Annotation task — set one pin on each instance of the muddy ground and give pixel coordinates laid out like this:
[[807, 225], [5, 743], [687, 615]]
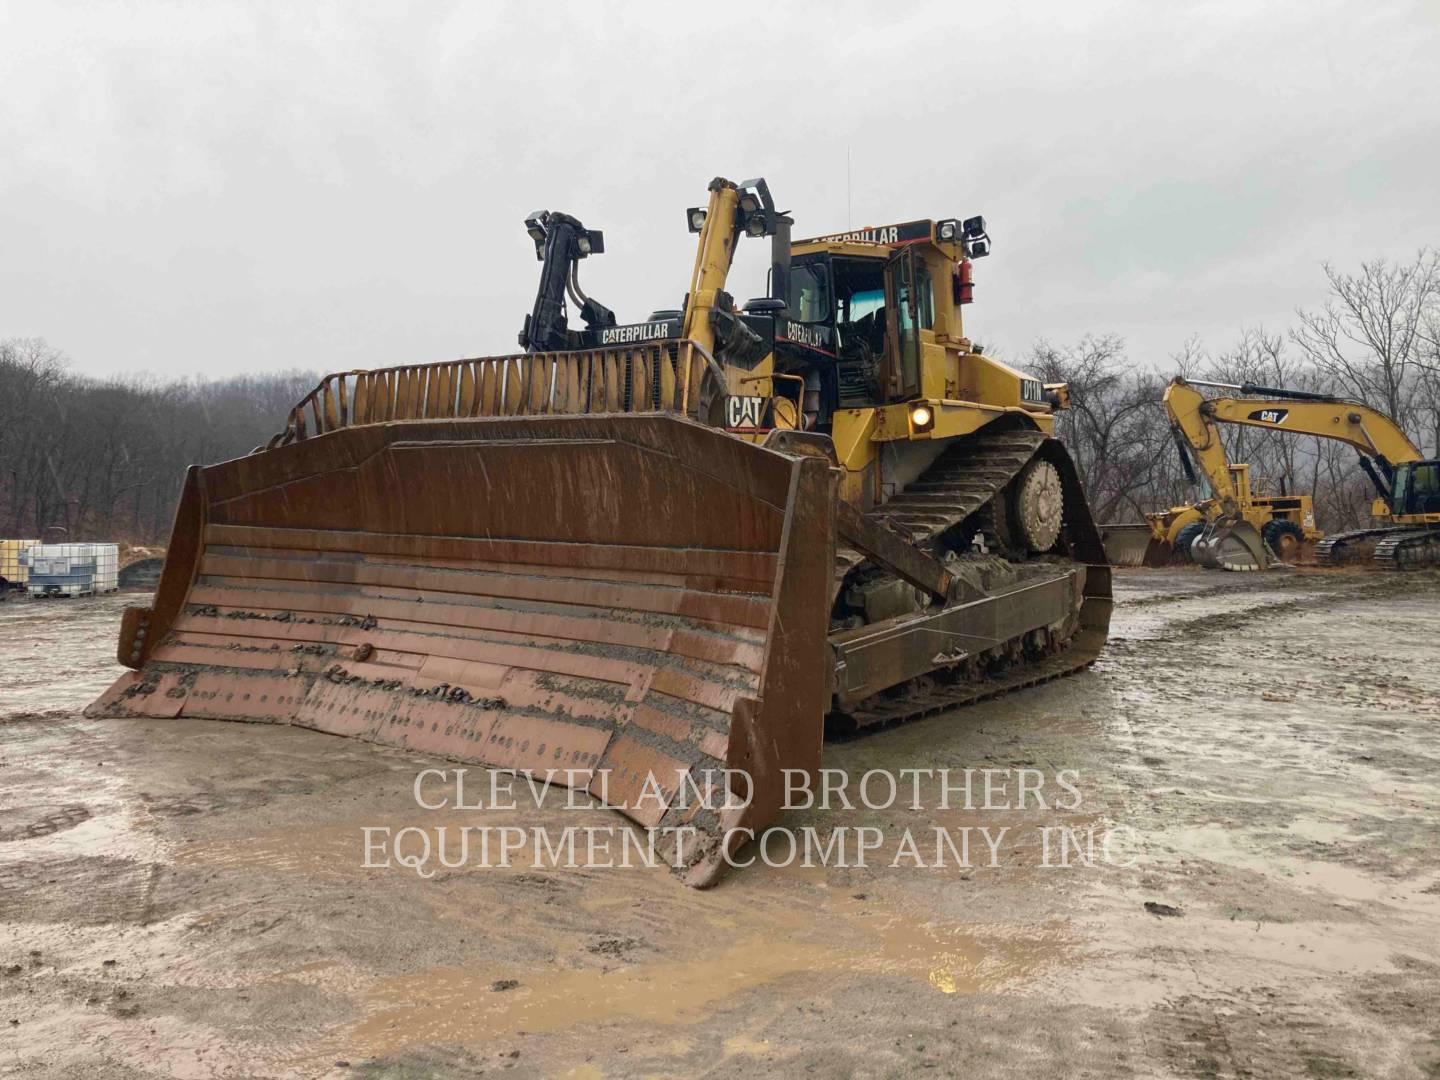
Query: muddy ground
[[188, 898]]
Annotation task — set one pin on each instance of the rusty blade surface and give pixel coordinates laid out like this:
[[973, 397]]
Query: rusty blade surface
[[630, 604]]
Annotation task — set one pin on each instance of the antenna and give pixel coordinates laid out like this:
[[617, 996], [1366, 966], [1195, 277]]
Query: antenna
[[848, 222]]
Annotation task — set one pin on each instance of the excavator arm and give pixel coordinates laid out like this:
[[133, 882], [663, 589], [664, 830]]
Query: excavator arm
[[1381, 443], [1199, 440]]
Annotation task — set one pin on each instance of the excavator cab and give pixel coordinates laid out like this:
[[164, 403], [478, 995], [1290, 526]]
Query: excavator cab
[[1416, 489]]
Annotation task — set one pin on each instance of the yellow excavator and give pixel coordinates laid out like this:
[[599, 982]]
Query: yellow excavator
[[645, 559], [1283, 520], [1407, 503]]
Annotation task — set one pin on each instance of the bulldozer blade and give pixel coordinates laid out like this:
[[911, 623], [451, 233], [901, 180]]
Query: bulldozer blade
[[1133, 545], [626, 604], [1231, 545]]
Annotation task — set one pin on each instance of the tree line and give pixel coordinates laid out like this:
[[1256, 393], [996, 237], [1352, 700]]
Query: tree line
[[85, 458], [104, 459]]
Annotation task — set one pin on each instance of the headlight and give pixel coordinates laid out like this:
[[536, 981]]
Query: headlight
[[695, 217], [921, 417], [947, 230]]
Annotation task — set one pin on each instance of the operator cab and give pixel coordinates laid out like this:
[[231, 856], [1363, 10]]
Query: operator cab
[[1417, 488], [845, 291]]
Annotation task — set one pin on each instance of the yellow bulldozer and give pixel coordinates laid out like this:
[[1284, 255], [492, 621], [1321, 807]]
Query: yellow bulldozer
[[650, 560]]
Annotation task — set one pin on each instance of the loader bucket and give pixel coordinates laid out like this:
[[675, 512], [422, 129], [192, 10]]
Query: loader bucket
[[1133, 545], [621, 603], [1230, 544]]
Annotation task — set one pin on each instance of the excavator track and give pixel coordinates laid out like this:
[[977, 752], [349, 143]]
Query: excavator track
[[1343, 549], [1409, 549], [964, 482]]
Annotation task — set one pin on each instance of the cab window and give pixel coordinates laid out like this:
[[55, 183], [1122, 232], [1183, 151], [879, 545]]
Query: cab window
[[924, 296], [859, 288], [1417, 488], [863, 303], [809, 293]]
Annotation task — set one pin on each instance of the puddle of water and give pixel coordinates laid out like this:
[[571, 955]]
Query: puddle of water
[[323, 852], [458, 1006]]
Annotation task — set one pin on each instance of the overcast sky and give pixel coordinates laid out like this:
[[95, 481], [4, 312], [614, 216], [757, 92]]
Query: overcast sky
[[207, 189]]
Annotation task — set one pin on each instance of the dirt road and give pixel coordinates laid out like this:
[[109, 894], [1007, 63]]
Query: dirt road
[[189, 898]]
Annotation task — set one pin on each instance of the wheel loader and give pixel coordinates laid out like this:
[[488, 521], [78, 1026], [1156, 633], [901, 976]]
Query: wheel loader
[[1407, 504], [656, 565], [1285, 521]]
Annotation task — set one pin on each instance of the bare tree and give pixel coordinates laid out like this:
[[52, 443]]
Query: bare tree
[[1114, 427], [105, 459], [1370, 336]]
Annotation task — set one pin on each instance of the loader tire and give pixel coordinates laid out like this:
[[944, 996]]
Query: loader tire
[[1185, 537], [1285, 539]]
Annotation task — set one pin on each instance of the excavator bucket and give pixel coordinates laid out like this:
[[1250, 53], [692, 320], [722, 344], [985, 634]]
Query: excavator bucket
[[1231, 544], [627, 603], [1134, 545]]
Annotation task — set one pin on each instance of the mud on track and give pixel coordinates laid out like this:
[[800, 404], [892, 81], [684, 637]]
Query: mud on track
[[187, 898]]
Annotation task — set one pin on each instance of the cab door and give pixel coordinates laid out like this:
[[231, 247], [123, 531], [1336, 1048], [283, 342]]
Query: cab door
[[902, 342]]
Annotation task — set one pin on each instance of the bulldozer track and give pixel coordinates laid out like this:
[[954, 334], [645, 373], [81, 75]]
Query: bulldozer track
[[961, 482], [958, 483], [1078, 655]]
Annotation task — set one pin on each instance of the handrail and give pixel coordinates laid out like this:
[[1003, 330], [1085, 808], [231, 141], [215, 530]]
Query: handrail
[[663, 377]]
